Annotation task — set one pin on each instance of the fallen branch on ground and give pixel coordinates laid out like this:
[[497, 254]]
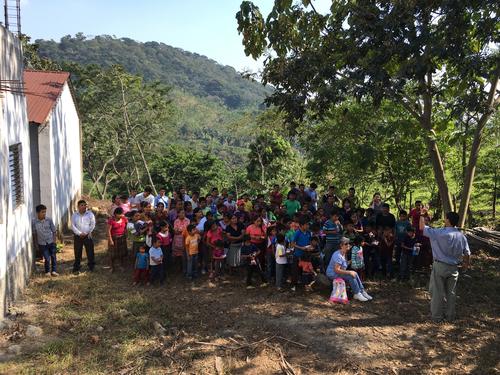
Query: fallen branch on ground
[[292, 342]]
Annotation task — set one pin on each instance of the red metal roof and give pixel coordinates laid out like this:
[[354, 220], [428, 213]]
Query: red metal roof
[[42, 91]]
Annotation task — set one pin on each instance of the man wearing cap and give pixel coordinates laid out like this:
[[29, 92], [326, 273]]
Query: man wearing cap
[[338, 268], [449, 249]]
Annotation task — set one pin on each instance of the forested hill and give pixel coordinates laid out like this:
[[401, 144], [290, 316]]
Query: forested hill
[[189, 72]]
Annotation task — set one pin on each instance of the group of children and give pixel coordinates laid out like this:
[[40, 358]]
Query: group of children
[[278, 239]]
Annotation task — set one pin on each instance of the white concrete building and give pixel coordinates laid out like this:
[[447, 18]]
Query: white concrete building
[[16, 203], [40, 160], [55, 138]]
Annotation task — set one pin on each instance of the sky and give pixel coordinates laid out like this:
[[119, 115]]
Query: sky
[[207, 27]]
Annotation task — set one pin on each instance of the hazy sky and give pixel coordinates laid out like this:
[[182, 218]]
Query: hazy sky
[[207, 27]]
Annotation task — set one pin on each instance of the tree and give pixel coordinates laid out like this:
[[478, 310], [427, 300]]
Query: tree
[[122, 119], [32, 58], [359, 145], [268, 155], [175, 166], [437, 60], [271, 157]]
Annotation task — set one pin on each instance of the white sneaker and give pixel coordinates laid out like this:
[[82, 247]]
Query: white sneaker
[[360, 297], [366, 295], [54, 274], [47, 273]]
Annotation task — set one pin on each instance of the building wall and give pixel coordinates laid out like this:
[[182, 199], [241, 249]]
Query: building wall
[[65, 163], [35, 170], [16, 253], [45, 167]]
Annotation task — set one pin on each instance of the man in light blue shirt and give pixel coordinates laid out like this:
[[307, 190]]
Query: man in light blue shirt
[[449, 249], [162, 197]]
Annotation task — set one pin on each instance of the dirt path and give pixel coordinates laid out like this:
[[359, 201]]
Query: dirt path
[[98, 323]]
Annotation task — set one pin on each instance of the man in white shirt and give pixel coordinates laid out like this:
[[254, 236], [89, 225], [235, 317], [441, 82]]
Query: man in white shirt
[[83, 224], [132, 198], [195, 203], [146, 196]]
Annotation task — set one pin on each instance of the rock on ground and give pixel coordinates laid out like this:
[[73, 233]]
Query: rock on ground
[[33, 331]]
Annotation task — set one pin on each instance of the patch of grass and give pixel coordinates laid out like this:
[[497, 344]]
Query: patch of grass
[[59, 347]]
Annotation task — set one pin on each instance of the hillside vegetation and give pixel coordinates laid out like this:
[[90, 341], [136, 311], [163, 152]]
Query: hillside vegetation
[[214, 107], [189, 72]]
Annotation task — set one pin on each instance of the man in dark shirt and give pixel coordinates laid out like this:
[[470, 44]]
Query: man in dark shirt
[[385, 219], [331, 192], [329, 206]]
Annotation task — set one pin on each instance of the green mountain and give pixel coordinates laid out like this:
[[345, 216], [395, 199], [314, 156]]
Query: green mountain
[[215, 106], [189, 72]]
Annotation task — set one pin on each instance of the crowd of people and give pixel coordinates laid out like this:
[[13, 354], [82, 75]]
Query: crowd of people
[[281, 239], [277, 238]]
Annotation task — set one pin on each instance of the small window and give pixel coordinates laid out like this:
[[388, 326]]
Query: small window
[[16, 175]]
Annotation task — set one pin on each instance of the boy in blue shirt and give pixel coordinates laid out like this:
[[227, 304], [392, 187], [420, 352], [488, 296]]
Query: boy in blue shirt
[[301, 243], [141, 268]]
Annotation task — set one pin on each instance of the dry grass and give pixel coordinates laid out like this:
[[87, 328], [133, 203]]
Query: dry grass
[[251, 332]]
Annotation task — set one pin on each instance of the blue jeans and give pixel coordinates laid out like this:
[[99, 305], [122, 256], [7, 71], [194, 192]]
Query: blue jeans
[[354, 282], [157, 273], [49, 256], [192, 265]]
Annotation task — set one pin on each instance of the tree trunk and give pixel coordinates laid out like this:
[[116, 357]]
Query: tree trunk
[[146, 166], [474, 152], [262, 169], [439, 175], [432, 147], [495, 189], [464, 150]]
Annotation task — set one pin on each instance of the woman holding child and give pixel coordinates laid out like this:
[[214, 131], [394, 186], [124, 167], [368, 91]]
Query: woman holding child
[[257, 233], [337, 268]]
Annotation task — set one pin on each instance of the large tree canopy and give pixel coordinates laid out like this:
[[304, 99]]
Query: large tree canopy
[[438, 60]]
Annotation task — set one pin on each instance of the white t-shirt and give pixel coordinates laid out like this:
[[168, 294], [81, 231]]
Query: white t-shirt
[[280, 251], [154, 252], [133, 201], [194, 204], [141, 198]]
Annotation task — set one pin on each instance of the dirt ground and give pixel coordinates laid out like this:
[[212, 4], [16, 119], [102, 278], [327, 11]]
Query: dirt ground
[[97, 323]]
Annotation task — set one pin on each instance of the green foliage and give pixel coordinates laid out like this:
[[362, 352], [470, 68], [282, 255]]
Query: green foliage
[[359, 145], [271, 158], [32, 58], [174, 166], [374, 48], [267, 157]]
